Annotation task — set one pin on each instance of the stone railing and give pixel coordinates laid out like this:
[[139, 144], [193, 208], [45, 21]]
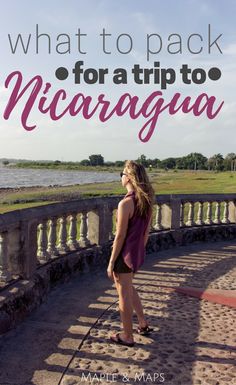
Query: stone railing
[[177, 211], [30, 238]]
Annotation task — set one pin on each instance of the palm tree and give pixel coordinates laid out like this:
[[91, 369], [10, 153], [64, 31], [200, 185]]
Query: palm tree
[[216, 162], [230, 161]]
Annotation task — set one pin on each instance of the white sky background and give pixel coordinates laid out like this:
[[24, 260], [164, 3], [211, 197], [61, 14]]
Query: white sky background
[[74, 138]]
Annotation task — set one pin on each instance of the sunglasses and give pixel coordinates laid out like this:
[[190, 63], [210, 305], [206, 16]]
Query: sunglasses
[[122, 173]]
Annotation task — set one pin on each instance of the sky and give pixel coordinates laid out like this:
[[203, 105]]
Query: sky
[[127, 25]]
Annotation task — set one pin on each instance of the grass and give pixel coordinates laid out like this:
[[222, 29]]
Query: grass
[[68, 166], [5, 208], [181, 182], [194, 182]]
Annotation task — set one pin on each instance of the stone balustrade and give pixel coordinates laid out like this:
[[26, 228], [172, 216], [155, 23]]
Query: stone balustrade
[[177, 211], [33, 237]]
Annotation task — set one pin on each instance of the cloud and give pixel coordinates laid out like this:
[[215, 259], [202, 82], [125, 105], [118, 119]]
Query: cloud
[[230, 49], [75, 137]]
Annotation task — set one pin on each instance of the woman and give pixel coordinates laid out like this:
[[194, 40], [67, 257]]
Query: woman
[[133, 224]]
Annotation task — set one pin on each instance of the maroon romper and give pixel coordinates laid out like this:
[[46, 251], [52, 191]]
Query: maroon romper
[[132, 253]]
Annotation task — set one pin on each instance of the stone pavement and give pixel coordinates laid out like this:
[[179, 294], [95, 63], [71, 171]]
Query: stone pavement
[[66, 340]]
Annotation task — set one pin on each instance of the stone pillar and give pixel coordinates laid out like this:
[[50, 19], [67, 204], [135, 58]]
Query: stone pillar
[[62, 246], [199, 220], [226, 213], [171, 214], [158, 225], [93, 227], [73, 244], [14, 245], [52, 238], [100, 225], [4, 271], [166, 215], [232, 212], [181, 219], [217, 220], [209, 214], [190, 221], [108, 222], [43, 255], [28, 249], [83, 240], [175, 213]]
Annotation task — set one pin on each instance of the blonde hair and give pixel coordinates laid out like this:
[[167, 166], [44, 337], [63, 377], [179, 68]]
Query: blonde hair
[[143, 189]]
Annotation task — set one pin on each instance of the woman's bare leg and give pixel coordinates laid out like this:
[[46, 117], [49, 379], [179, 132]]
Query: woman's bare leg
[[125, 291], [138, 308]]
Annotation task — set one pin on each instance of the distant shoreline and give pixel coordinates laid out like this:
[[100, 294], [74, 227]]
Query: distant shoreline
[[11, 178], [175, 182], [62, 167]]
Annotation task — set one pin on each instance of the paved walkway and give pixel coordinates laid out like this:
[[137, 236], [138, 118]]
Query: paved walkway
[[66, 341]]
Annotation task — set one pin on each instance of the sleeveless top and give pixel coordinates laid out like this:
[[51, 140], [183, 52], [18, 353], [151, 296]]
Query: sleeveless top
[[133, 250]]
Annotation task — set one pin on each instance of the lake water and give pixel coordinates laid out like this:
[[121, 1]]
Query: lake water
[[22, 177]]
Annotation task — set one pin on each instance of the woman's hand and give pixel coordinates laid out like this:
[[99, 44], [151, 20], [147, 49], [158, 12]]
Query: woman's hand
[[110, 269]]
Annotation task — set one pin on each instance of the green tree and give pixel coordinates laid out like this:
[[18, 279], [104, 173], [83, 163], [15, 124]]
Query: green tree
[[195, 161], [153, 163], [96, 160], [85, 162], [181, 163], [168, 163], [216, 162], [230, 162], [109, 164], [119, 163], [156, 162], [143, 160]]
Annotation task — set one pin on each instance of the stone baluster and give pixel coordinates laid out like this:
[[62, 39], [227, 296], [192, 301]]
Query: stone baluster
[[42, 253], [73, 244], [190, 221], [158, 225], [52, 238], [217, 220], [232, 212], [226, 213], [4, 273], [209, 214], [62, 246], [199, 220], [181, 222], [83, 240]]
